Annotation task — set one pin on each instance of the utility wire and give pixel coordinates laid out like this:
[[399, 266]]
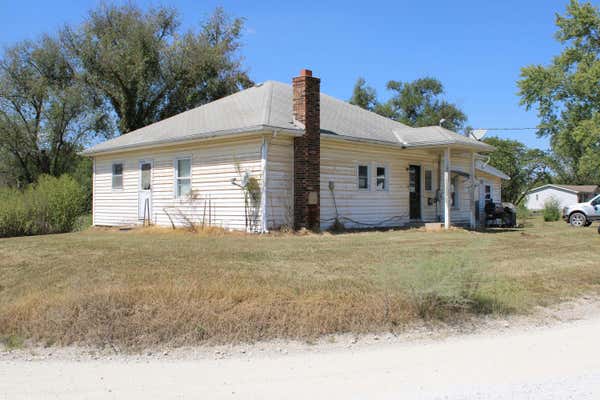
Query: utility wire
[[505, 129]]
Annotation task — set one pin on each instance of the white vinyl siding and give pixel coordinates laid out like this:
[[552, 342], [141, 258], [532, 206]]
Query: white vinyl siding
[[536, 200], [214, 164], [280, 183], [339, 162]]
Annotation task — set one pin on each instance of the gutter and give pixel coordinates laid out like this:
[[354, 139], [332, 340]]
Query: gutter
[[404, 145]]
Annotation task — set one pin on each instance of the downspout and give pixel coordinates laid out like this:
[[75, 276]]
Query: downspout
[[93, 191], [472, 202], [440, 179], [447, 168], [263, 190]]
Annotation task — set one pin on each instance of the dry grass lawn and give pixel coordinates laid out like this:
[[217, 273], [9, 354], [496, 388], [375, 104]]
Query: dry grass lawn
[[142, 288]]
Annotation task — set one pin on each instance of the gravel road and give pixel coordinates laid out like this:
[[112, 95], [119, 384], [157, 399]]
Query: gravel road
[[557, 362]]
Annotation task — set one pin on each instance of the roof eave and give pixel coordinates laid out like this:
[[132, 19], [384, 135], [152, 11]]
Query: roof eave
[[423, 145], [230, 133]]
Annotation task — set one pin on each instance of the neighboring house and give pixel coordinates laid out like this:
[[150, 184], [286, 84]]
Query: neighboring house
[[314, 158], [564, 194]]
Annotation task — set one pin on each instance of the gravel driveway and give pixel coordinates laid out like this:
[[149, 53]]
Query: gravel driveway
[[557, 362]]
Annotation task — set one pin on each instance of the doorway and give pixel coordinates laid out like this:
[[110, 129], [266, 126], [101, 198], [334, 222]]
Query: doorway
[[414, 184], [145, 191]]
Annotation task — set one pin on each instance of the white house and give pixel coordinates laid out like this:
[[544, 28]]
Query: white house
[[278, 154], [564, 194]]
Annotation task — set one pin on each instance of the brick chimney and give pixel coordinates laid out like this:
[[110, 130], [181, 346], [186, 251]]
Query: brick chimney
[[307, 151]]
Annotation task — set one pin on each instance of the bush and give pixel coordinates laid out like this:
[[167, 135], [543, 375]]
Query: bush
[[552, 210], [523, 213], [52, 205], [15, 217], [443, 287]]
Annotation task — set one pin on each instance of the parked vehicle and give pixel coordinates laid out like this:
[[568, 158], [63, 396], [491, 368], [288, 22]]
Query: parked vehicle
[[500, 214], [583, 214]]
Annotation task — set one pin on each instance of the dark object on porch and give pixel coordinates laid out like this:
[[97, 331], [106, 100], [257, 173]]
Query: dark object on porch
[[500, 215]]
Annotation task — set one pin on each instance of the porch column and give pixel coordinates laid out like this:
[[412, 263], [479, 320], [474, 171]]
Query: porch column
[[447, 198], [472, 191]]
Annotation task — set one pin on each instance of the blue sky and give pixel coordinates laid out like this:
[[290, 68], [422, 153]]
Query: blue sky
[[476, 48]]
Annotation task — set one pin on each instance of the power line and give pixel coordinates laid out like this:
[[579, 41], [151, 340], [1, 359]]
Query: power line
[[506, 129]]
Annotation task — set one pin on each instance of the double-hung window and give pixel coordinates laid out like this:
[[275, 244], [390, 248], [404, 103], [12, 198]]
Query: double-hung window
[[363, 177], [381, 178], [454, 191], [183, 177], [117, 176], [428, 180]]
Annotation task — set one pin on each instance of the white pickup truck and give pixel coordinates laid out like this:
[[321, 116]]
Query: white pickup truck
[[583, 214]]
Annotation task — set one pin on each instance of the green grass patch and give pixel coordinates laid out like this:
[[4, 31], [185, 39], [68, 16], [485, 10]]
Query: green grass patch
[[154, 286]]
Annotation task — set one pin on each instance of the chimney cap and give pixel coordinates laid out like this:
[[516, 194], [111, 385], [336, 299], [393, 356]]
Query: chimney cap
[[305, 72]]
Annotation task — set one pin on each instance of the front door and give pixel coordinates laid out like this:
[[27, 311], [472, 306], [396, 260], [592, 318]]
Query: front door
[[145, 191], [414, 184]]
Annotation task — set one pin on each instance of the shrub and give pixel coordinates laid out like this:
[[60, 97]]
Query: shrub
[[15, 216], [551, 210], [523, 213], [444, 286], [52, 205]]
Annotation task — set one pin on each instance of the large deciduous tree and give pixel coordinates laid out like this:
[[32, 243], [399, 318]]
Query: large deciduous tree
[[363, 96], [418, 103], [46, 114], [147, 69], [566, 94], [526, 167]]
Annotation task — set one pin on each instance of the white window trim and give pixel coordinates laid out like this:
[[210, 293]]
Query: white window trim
[[112, 166], [176, 175], [425, 170], [387, 177], [368, 188]]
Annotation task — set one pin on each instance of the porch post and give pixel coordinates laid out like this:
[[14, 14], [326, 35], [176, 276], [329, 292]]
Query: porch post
[[447, 204], [472, 191]]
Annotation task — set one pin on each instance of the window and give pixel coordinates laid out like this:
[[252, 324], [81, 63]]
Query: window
[[183, 177], [596, 201], [363, 177], [146, 176], [117, 176], [381, 178], [428, 180], [454, 191], [488, 192]]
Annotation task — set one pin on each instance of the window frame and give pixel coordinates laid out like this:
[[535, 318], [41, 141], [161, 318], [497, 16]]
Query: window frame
[[368, 188], [386, 177], [112, 175], [177, 178], [141, 173], [454, 197], [425, 173]]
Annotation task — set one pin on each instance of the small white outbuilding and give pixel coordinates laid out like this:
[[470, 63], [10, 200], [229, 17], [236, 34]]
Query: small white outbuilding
[[564, 194]]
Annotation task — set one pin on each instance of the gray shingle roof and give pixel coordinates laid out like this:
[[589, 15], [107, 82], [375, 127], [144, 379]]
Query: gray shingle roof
[[268, 106]]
